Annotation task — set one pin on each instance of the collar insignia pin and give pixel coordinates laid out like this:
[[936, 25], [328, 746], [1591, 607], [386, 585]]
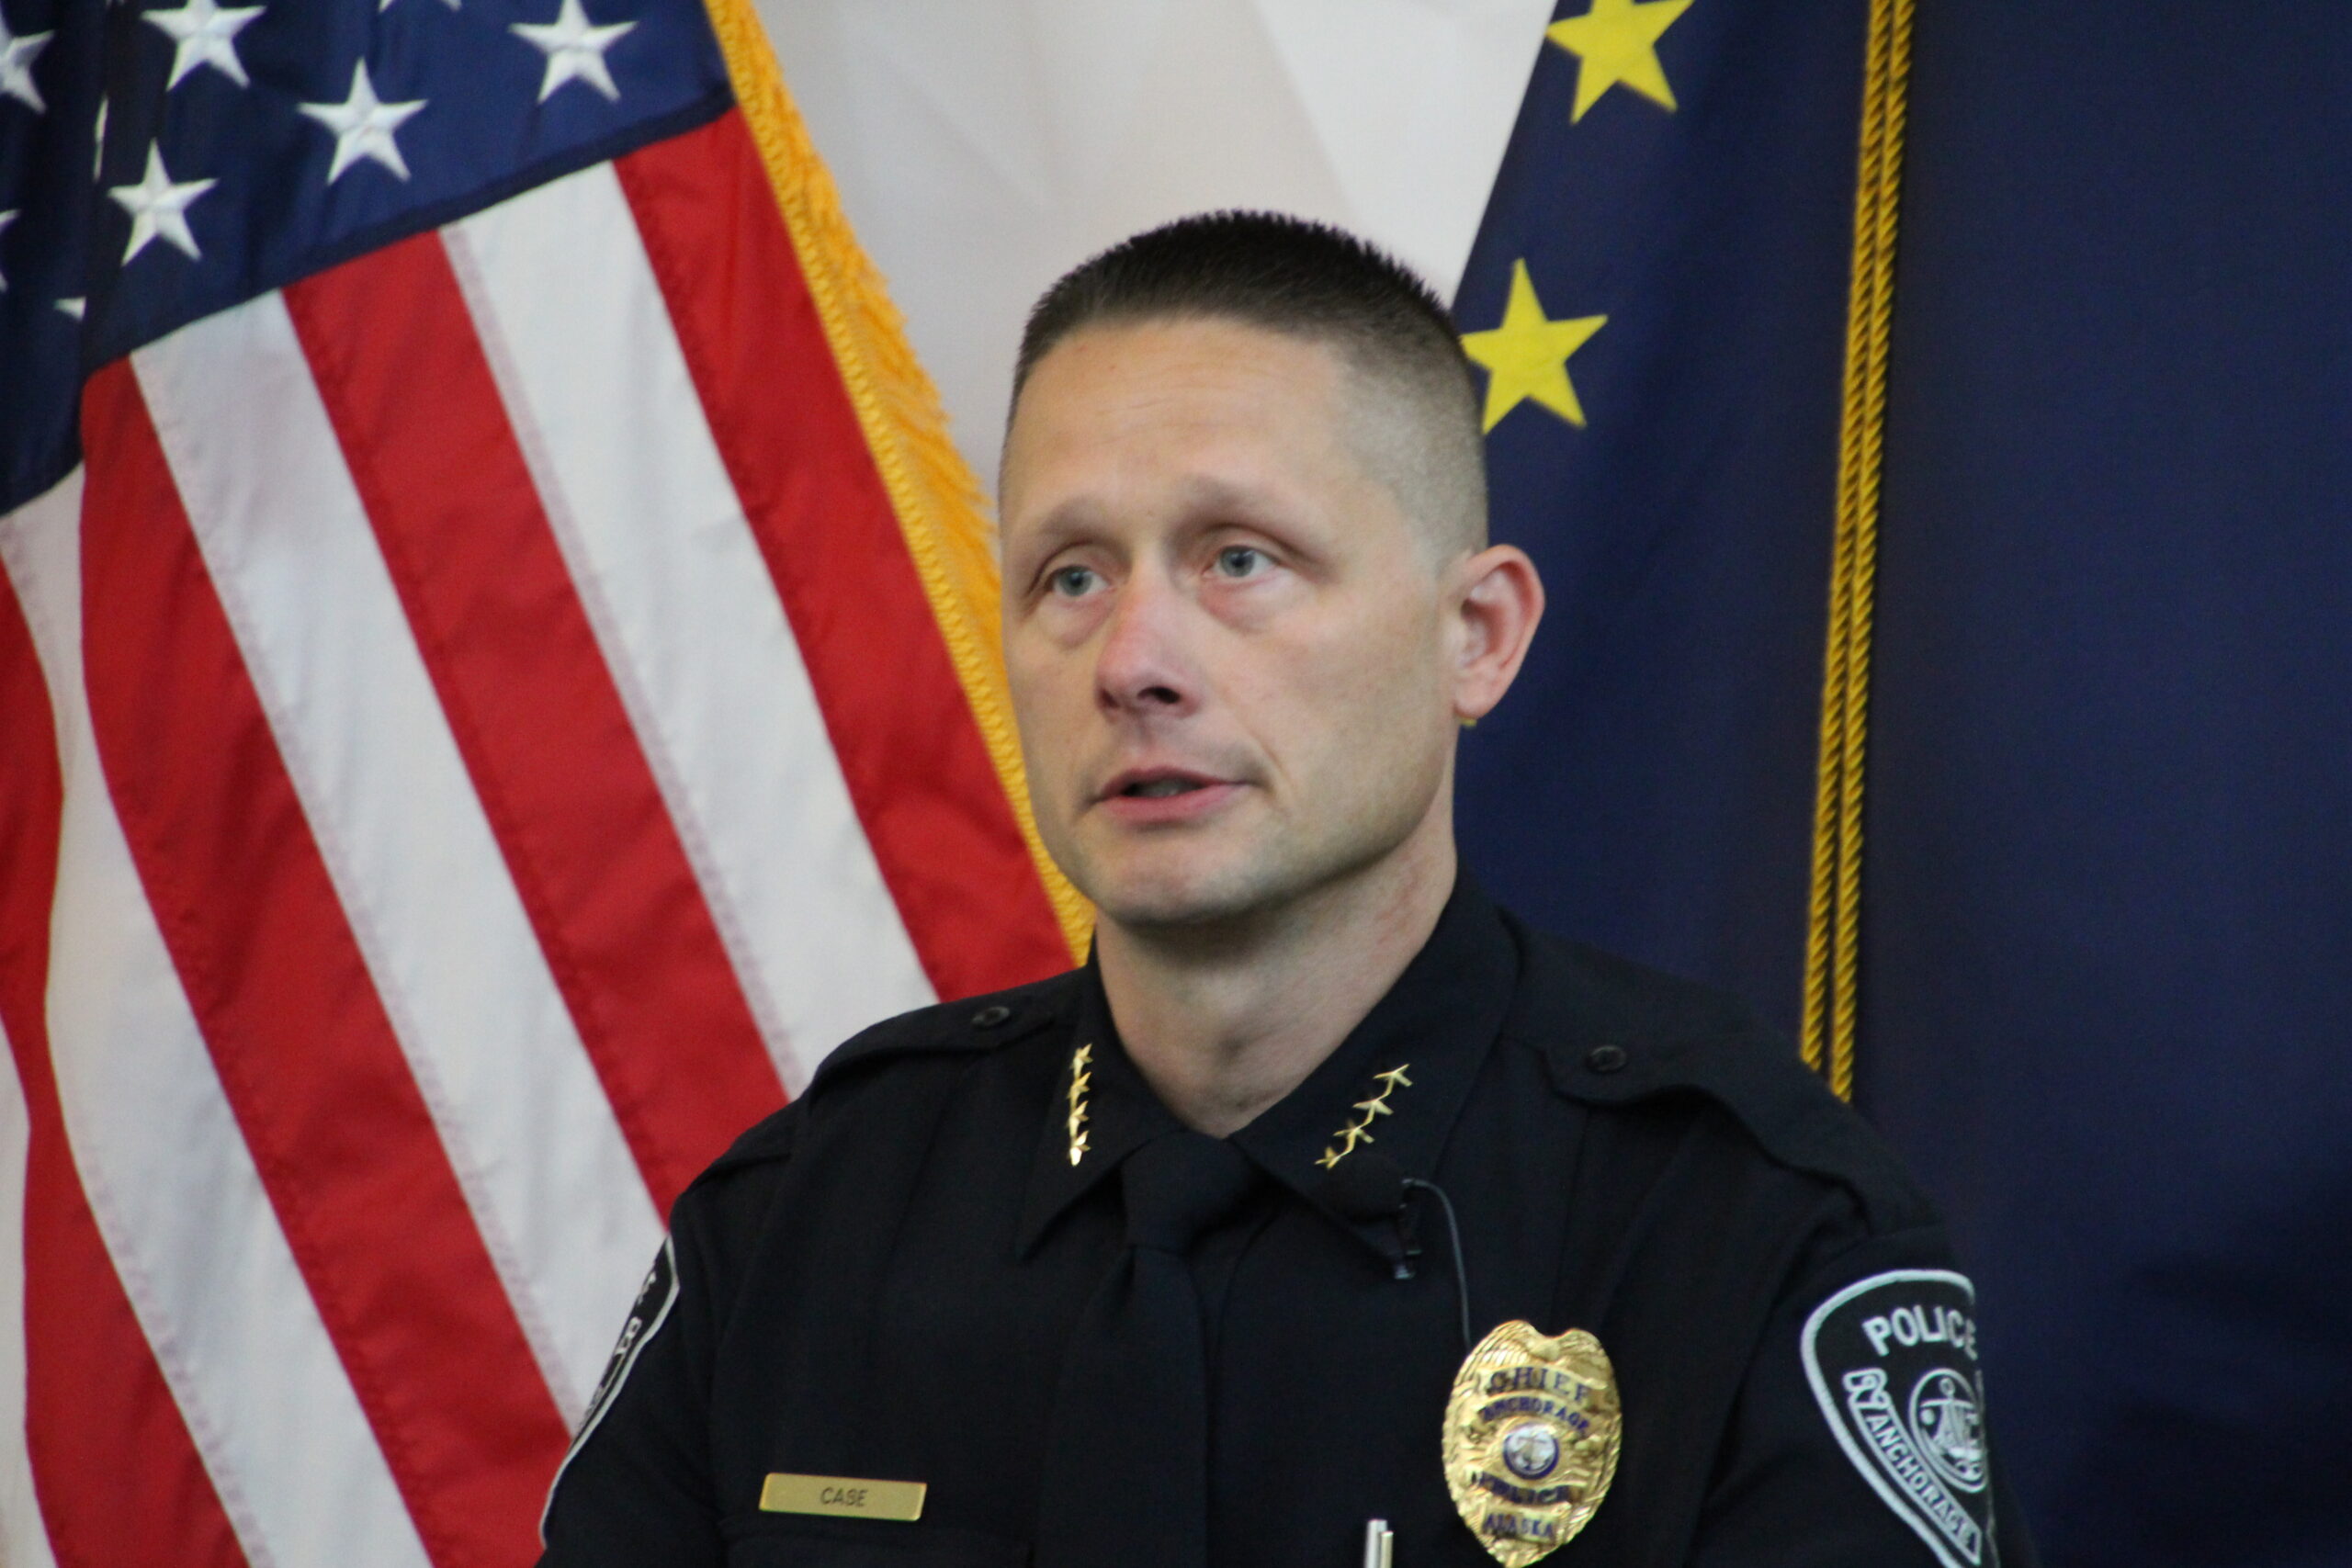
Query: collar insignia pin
[[1081, 1077], [1360, 1129], [1532, 1433]]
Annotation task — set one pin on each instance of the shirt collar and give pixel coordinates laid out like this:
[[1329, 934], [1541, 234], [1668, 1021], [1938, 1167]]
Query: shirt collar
[[1395, 1085], [1101, 1112]]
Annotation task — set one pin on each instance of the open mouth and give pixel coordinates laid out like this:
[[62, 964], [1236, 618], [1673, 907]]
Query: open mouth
[[1159, 789], [1157, 783]]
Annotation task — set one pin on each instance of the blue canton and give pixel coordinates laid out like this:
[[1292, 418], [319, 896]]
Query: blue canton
[[161, 162]]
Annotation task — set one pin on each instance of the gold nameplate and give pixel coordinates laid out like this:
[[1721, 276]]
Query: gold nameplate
[[1530, 1440], [842, 1496]]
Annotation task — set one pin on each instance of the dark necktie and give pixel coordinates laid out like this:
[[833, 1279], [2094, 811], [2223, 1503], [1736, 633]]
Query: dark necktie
[[1126, 1481]]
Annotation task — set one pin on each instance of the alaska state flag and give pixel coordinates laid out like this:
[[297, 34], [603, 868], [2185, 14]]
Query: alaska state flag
[[1673, 217], [2105, 953]]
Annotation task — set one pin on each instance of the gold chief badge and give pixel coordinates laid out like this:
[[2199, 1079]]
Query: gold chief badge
[[1530, 1439]]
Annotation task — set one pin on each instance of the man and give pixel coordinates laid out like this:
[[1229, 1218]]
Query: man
[[1260, 1240]]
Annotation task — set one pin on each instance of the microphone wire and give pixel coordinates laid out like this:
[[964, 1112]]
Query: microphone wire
[[1453, 1235]]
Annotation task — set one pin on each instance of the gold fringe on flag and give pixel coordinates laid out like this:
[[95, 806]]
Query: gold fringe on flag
[[1832, 943], [940, 505]]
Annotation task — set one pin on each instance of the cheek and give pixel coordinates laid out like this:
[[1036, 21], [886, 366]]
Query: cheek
[[1369, 689], [1039, 664], [1031, 675], [1052, 692]]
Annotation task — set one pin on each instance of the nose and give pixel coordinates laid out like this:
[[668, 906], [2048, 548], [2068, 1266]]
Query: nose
[[1140, 669]]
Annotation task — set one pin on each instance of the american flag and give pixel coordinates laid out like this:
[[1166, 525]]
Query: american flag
[[496, 677]]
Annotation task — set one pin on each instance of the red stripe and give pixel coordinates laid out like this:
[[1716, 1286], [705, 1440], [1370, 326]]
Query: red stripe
[[929, 798], [536, 716], [117, 1473], [350, 1158]]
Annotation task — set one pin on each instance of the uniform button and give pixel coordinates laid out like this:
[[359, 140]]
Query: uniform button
[[991, 1016], [1605, 1058]]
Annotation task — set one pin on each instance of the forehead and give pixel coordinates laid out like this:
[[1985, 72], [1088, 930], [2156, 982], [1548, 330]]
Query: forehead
[[1166, 397], [1178, 360]]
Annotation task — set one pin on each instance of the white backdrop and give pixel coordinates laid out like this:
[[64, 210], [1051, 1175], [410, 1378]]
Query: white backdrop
[[984, 146]]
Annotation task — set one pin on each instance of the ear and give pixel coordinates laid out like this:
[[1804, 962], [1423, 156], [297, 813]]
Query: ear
[[1497, 599]]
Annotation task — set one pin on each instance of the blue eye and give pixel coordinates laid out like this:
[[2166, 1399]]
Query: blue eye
[[1239, 561], [1072, 581]]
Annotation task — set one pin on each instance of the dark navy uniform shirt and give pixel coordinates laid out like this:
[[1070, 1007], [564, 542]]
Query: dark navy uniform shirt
[[881, 1281]]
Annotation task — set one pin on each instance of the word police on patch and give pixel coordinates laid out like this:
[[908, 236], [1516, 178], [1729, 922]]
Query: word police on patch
[[1893, 1361]]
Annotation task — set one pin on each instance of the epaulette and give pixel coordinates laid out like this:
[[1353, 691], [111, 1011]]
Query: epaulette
[[1615, 1032], [975, 1023], [768, 1138]]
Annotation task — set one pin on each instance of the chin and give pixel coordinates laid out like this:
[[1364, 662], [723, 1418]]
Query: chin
[[1203, 892], [1146, 903], [1148, 892], [1174, 910], [1203, 880]]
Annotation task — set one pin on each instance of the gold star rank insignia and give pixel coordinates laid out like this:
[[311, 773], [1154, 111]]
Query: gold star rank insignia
[[1527, 356], [1360, 1129], [1614, 42], [1081, 1077]]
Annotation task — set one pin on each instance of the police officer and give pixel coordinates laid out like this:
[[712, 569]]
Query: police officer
[[1328, 1215]]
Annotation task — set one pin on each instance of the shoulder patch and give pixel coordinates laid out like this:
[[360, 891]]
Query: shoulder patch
[[1892, 1361], [646, 1316]]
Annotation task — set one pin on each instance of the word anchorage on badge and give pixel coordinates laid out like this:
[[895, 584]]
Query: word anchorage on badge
[[1532, 1434]]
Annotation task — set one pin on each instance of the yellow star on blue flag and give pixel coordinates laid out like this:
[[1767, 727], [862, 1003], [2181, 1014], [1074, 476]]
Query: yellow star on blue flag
[[1616, 44], [1527, 356]]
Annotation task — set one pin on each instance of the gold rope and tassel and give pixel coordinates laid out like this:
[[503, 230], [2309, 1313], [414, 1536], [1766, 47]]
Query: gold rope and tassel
[[1832, 943], [940, 506]]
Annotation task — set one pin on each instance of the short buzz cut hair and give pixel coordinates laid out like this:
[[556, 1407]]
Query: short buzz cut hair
[[1418, 433]]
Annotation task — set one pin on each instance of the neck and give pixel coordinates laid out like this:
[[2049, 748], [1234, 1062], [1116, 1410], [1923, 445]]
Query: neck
[[1224, 1020]]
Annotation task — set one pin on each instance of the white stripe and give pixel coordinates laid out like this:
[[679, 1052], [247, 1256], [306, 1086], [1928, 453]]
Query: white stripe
[[683, 606], [222, 1302], [24, 1540], [553, 1188]]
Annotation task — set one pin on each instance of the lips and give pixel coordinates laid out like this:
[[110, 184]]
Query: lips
[[1158, 796], [1155, 784]]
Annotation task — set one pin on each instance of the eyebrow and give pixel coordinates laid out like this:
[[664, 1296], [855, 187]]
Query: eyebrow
[[1202, 493], [1075, 515], [1196, 495]]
